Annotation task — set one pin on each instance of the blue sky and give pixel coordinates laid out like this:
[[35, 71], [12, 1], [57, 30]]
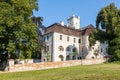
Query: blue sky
[[59, 10]]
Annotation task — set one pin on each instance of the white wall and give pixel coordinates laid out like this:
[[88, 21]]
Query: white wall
[[65, 44], [74, 22], [87, 52], [50, 44], [101, 47]]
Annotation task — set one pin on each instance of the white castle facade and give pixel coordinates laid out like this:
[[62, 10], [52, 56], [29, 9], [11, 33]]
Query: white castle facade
[[70, 42]]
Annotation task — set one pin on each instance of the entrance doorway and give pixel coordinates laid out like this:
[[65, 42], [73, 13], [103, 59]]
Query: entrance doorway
[[68, 57]]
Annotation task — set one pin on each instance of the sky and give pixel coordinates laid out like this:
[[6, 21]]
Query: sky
[[54, 11]]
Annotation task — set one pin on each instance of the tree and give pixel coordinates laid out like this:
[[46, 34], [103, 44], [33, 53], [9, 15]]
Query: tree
[[107, 19], [92, 38], [75, 55], [17, 31], [40, 31], [115, 43], [108, 29]]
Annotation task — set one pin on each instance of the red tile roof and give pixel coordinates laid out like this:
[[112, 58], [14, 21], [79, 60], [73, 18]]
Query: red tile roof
[[69, 31]]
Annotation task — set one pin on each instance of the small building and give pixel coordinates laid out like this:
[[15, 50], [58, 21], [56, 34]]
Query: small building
[[70, 42]]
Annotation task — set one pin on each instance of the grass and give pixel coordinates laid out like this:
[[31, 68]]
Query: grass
[[90, 72]]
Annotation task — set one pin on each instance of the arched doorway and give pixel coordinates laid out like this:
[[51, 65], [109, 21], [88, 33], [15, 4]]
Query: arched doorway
[[68, 53], [68, 49], [61, 57], [68, 57], [75, 53]]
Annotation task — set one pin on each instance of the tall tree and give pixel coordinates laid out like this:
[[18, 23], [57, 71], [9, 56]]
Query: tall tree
[[41, 28], [40, 31], [108, 29], [17, 31], [106, 20]]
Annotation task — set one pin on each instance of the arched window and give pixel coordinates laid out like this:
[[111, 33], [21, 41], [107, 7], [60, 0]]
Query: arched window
[[74, 50], [67, 49], [61, 48]]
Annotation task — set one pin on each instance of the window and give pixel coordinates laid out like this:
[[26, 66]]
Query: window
[[47, 48], [67, 38], [61, 48], [101, 49], [79, 40], [68, 49], [47, 38], [60, 37], [74, 40], [74, 50]]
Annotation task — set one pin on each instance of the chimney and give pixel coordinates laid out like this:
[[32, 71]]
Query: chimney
[[62, 23]]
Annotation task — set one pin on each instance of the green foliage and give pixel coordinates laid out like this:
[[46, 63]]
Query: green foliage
[[116, 62], [17, 31], [40, 30], [92, 38], [37, 54], [108, 29], [107, 19], [75, 53], [48, 57], [95, 36]]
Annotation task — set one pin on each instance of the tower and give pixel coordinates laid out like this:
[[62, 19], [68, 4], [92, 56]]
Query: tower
[[74, 22]]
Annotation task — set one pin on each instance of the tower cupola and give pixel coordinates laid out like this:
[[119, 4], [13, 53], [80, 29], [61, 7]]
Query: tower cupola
[[74, 22]]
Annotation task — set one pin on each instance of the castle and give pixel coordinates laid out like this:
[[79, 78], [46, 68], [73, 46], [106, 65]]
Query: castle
[[70, 42]]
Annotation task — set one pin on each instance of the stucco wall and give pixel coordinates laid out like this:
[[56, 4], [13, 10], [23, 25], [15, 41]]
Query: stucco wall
[[83, 49], [65, 44]]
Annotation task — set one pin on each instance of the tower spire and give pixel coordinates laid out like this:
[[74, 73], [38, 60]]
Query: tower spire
[[73, 12]]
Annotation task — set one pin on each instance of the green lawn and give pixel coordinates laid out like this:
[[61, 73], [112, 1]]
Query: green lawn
[[90, 72]]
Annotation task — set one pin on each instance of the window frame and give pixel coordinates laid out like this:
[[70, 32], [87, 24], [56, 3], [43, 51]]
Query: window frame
[[68, 38], [79, 40], [61, 48], [60, 37], [74, 39]]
